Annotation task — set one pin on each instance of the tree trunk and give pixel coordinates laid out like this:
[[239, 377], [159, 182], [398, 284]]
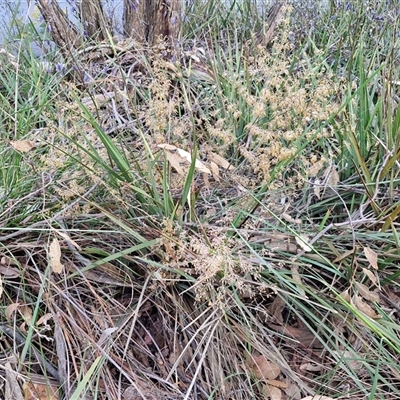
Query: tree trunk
[[146, 21], [271, 23], [63, 32], [152, 20], [165, 21], [94, 20], [135, 19]]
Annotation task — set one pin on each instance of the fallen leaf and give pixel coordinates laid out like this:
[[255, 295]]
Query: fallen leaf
[[371, 276], [317, 188], [344, 255], [106, 333], [55, 256], [215, 171], [350, 359], [175, 162], [289, 218], [302, 241], [372, 257], [10, 310], [44, 318], [36, 391], [278, 384], [131, 393], [22, 145], [5, 260], [317, 397], [68, 239], [327, 183], [331, 176], [194, 57], [296, 276], [272, 392], [262, 368], [26, 313], [292, 391], [346, 295], [277, 242], [185, 155], [276, 309], [315, 168], [167, 146], [311, 367], [12, 389], [9, 272], [217, 159], [198, 164], [364, 307], [371, 295], [302, 335], [206, 181]]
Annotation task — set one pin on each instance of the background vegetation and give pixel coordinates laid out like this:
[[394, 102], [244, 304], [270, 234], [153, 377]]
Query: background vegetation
[[214, 218]]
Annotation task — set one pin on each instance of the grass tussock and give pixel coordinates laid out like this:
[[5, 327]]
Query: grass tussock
[[216, 221]]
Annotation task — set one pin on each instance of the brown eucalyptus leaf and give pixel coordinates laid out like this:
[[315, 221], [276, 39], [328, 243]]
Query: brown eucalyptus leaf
[[346, 295], [26, 313], [215, 171], [217, 159], [175, 161], [371, 276], [296, 276], [317, 397], [22, 145], [331, 176], [372, 257], [334, 178], [276, 308], [9, 272], [349, 358], [11, 309], [364, 307], [302, 241], [55, 256], [68, 239], [311, 367], [198, 164], [278, 384], [346, 254], [262, 368], [44, 318], [317, 188], [167, 146], [292, 391], [180, 156], [272, 392], [315, 168], [5, 260], [302, 335], [366, 293], [37, 391], [12, 388]]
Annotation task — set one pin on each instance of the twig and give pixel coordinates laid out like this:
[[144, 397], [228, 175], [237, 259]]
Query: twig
[[17, 337]]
